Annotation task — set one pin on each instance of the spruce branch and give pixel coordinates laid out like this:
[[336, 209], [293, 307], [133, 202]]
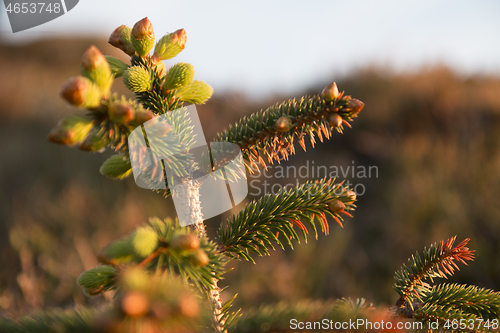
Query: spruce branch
[[157, 247], [274, 215], [438, 261], [482, 303], [272, 132]]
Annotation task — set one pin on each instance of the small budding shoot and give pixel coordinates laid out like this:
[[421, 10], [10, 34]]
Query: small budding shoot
[[352, 196], [95, 67], [187, 242], [137, 79], [199, 258], [81, 92], [283, 124], [135, 304], [121, 112], [330, 92], [70, 130], [336, 206], [121, 39], [335, 120], [178, 76], [170, 45], [355, 105], [143, 37]]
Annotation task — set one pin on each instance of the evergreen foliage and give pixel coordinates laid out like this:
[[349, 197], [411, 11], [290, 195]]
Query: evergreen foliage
[[164, 276]]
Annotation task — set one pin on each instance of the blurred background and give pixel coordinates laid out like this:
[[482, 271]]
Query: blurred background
[[429, 74]]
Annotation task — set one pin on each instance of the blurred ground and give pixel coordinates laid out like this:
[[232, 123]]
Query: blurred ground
[[432, 135]]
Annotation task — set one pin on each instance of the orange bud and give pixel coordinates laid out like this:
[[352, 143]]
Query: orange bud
[[143, 116], [121, 112], [143, 29], [335, 120], [93, 58], [336, 206], [283, 124], [355, 105], [188, 306], [199, 258], [80, 91], [185, 242], [135, 304], [120, 38], [330, 92], [352, 196]]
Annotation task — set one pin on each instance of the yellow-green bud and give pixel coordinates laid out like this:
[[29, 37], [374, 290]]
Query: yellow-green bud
[[145, 241], [170, 45], [135, 279], [336, 206], [330, 92], [121, 250], [116, 167], [116, 65], [178, 76], [197, 93], [143, 37], [199, 258], [98, 279], [121, 112], [96, 68], [335, 120], [185, 242], [82, 92], [120, 38], [137, 79], [70, 130], [355, 105], [95, 141], [283, 124]]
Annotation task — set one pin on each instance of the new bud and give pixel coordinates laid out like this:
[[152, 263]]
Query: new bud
[[70, 130], [137, 79], [185, 242], [199, 258], [82, 92], [283, 124], [120, 250], [143, 37], [95, 141], [116, 66], [142, 116], [170, 45], [97, 279], [120, 38], [135, 304], [178, 76], [116, 167], [336, 206], [330, 92], [197, 93], [96, 68], [335, 120], [121, 112], [145, 241], [352, 196], [355, 105]]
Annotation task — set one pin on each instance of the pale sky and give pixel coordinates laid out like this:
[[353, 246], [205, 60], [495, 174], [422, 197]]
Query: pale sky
[[262, 47]]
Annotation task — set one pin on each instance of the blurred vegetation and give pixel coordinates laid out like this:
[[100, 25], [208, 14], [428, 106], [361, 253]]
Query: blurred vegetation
[[432, 134]]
